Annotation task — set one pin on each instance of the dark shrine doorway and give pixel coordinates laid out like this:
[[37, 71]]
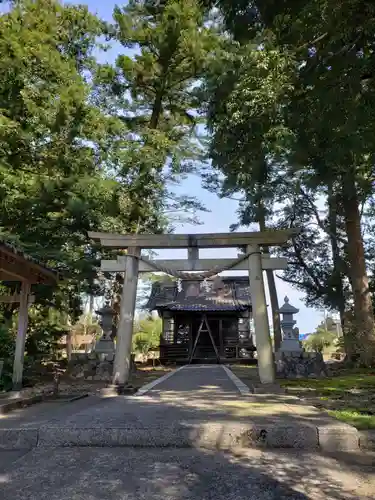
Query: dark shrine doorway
[[208, 345]]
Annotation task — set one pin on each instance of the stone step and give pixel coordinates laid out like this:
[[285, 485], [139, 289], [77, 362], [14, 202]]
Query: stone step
[[207, 435]]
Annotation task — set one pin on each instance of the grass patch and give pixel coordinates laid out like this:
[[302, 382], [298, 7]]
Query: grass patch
[[247, 373], [353, 417], [348, 396], [336, 386]]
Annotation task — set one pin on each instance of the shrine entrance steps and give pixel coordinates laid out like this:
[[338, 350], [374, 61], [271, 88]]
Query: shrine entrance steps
[[199, 406]]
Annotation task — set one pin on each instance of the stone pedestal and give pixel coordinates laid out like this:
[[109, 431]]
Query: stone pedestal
[[91, 367], [105, 347], [299, 364]]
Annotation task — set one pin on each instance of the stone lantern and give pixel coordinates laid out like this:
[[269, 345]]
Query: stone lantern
[[290, 337], [105, 345], [291, 360]]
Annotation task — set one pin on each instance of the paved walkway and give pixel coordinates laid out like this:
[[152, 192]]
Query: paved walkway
[[172, 436], [197, 406]]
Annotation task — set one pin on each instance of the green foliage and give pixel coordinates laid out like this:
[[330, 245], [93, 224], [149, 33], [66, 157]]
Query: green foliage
[[153, 93], [52, 142], [291, 118], [46, 327], [359, 419], [86, 325], [348, 395], [87, 147], [72, 156], [325, 337], [7, 346], [319, 340], [146, 335]]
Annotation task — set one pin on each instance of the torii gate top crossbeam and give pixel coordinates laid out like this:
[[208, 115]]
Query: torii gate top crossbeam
[[214, 240]]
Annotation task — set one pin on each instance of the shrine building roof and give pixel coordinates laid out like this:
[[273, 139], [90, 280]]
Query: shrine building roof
[[218, 294]]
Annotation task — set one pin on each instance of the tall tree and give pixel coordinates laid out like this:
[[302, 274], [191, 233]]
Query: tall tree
[[56, 144], [153, 93], [300, 98], [239, 153]]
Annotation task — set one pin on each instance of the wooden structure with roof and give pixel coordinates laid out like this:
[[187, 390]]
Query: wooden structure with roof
[[15, 266], [204, 320]]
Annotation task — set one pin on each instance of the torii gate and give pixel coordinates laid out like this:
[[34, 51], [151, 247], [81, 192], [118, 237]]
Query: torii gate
[[132, 264]]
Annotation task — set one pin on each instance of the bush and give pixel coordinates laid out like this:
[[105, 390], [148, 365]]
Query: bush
[[320, 340], [44, 333], [42, 344], [147, 335], [7, 346]]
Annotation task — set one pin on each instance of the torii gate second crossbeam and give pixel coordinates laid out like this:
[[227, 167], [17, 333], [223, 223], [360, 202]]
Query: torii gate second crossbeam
[[131, 265]]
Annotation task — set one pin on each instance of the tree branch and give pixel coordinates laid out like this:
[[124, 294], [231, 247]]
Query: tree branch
[[305, 267], [313, 42], [319, 221]]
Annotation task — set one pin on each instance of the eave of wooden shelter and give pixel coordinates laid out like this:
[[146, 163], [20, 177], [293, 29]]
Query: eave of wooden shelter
[[16, 266], [215, 240]]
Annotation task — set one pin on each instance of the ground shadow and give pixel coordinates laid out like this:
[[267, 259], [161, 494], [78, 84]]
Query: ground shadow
[[179, 473], [176, 474]]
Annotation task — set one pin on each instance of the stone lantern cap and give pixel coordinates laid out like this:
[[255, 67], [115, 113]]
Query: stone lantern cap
[[287, 308], [106, 310]]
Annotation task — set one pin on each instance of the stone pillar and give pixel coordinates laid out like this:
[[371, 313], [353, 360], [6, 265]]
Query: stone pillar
[[262, 330], [290, 334], [244, 336], [193, 256], [21, 336], [244, 326], [168, 327], [122, 363]]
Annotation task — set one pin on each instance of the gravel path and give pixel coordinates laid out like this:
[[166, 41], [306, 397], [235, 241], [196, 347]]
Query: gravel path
[[168, 474]]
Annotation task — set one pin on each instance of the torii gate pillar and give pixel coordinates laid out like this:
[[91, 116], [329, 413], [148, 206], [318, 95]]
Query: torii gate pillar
[[122, 364], [266, 366]]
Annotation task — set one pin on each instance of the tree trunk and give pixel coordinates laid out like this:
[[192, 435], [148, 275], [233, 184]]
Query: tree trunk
[[116, 302], [275, 309], [91, 305], [156, 111], [363, 312], [69, 345], [277, 337], [338, 271]]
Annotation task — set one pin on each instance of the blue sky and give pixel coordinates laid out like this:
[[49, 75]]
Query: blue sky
[[222, 211]]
